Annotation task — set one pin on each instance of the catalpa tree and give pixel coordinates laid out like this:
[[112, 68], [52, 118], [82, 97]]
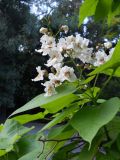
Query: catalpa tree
[[82, 126]]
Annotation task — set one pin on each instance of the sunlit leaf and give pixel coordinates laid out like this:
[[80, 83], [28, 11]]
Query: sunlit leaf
[[22, 119], [53, 103], [10, 134], [87, 9], [102, 10]]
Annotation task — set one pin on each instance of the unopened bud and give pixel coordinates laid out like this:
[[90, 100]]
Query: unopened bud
[[65, 28], [43, 30], [108, 45]]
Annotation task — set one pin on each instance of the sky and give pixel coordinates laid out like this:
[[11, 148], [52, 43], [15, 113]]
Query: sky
[[38, 9]]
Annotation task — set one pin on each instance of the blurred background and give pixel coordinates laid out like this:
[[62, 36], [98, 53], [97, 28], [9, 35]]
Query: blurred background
[[20, 21]]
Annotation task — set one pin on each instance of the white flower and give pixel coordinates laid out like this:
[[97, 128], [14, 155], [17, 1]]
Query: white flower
[[48, 40], [81, 42], [62, 44], [108, 45], [40, 74], [66, 44], [65, 28], [43, 30], [78, 39], [100, 58], [58, 66], [85, 43], [55, 57], [70, 44], [70, 39], [48, 43], [54, 79], [76, 47], [21, 48], [111, 52], [86, 55], [38, 50], [49, 89], [67, 73]]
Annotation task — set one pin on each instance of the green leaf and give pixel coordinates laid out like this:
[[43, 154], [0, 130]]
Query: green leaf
[[113, 129], [23, 119], [52, 147], [87, 9], [31, 155], [89, 120], [29, 148], [102, 9], [110, 71], [55, 132], [88, 95], [89, 79], [101, 100], [101, 156], [89, 154], [58, 104], [10, 134], [91, 92], [2, 152], [66, 113], [1, 127], [115, 10], [113, 63], [10, 156], [53, 103], [64, 152]]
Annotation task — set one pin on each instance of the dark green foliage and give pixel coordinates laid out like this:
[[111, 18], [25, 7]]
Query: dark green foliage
[[17, 27]]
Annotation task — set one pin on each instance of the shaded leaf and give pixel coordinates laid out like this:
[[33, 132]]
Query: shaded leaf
[[115, 10], [29, 148], [89, 154], [31, 155], [66, 113], [89, 120], [52, 147]]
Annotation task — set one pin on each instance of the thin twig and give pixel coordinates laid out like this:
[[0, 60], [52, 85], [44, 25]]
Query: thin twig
[[107, 134], [76, 147], [105, 84], [51, 150], [59, 140], [42, 150]]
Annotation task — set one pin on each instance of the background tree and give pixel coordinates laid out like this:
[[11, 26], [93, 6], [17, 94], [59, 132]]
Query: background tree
[[19, 36]]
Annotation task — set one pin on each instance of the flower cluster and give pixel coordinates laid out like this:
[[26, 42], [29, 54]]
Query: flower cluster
[[74, 47]]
